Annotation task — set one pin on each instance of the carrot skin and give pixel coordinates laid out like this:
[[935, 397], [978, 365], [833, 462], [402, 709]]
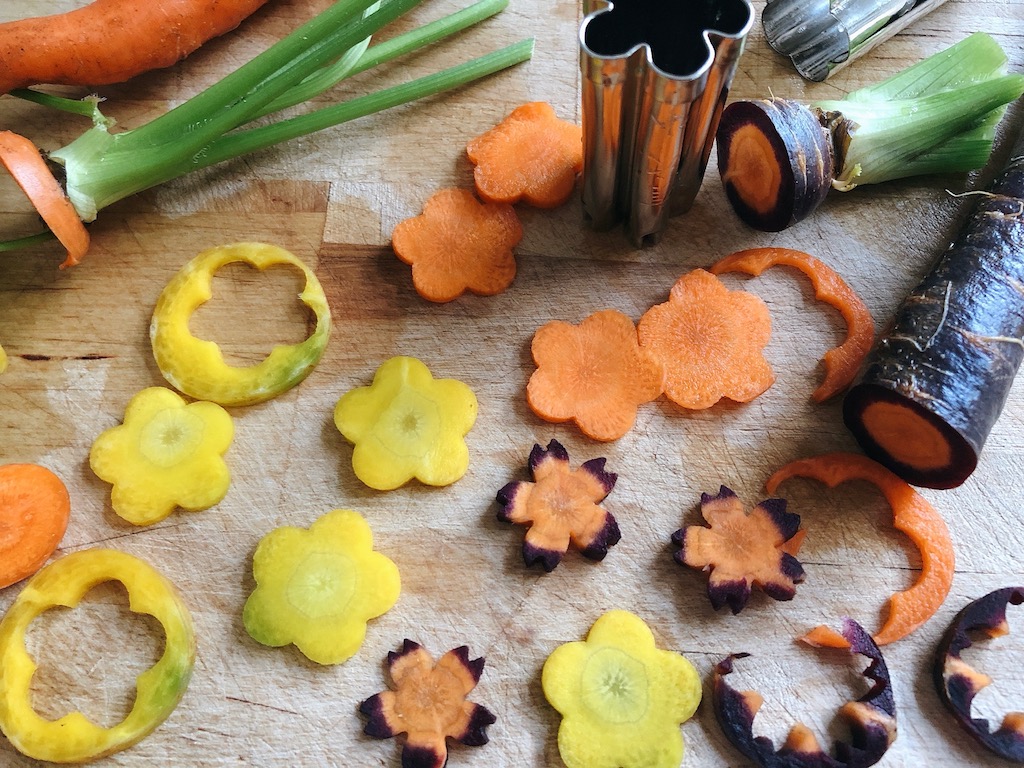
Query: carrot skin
[[110, 41], [947, 364]]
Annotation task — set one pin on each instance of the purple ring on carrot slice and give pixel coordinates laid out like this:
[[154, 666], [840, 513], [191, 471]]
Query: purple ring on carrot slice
[[958, 683], [872, 717]]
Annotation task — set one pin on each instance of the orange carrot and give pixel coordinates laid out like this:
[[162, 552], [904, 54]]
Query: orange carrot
[[842, 362], [913, 515], [709, 341], [110, 41], [459, 244], [531, 155], [26, 165], [595, 374], [34, 510]]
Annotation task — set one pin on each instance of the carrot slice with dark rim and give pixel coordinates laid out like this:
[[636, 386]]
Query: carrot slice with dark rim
[[842, 362], [22, 159], [912, 515], [34, 511]]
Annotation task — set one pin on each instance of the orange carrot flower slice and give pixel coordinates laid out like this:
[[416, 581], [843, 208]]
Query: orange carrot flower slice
[[843, 362], [561, 505], [459, 244], [595, 374], [913, 515], [429, 705], [531, 155], [709, 341]]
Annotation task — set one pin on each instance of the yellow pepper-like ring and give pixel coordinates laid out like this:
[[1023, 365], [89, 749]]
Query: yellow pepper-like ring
[[73, 738], [196, 366]]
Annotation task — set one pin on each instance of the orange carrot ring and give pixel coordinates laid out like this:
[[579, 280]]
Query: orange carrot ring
[[842, 362], [22, 160], [912, 515]]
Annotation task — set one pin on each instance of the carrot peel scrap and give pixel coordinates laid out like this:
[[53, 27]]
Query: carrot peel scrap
[[459, 244], [22, 160], [912, 515], [742, 550], [429, 704], [595, 374], [709, 341], [561, 505], [842, 362]]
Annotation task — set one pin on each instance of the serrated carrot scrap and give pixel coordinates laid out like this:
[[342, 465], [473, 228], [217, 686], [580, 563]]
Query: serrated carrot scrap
[[709, 341], [594, 374], [532, 155], [912, 515], [843, 362], [459, 244]]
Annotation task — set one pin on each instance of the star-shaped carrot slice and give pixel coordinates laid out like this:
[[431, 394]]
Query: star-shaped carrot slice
[[429, 705], [743, 550], [561, 505]]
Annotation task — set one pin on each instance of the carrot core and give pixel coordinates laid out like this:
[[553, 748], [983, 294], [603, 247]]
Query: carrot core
[[754, 171], [906, 436]]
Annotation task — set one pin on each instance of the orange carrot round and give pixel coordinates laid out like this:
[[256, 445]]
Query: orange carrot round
[[594, 373], [34, 511], [912, 515], [842, 362], [459, 244], [532, 155], [22, 160], [110, 41]]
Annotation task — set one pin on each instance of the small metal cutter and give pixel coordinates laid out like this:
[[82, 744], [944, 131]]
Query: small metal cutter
[[656, 74]]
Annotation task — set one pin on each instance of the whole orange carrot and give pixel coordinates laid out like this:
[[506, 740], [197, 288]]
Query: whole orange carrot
[[110, 41]]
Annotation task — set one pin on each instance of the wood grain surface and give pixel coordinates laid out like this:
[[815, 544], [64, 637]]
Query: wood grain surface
[[79, 349]]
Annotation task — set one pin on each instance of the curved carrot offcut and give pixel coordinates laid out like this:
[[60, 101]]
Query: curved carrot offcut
[[110, 41], [594, 373], [709, 341], [531, 155], [23, 161], [459, 244], [912, 515], [34, 511], [842, 362]]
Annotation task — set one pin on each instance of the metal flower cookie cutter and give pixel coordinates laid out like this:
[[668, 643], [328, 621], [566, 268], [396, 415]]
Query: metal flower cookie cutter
[[656, 74]]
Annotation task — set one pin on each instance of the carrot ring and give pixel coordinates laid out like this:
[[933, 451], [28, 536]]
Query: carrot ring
[[842, 362], [912, 515], [22, 160]]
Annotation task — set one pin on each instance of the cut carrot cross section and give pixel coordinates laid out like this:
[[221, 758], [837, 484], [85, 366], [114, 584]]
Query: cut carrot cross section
[[34, 511]]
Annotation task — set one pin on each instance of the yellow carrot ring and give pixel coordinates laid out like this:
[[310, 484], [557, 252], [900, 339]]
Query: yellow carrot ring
[[73, 738], [197, 367]]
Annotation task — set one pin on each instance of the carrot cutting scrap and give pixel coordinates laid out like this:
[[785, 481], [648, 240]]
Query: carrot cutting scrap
[[595, 374], [561, 505], [531, 155], [709, 341], [22, 160], [459, 244], [912, 515], [741, 550], [429, 705], [166, 454], [622, 699], [34, 511], [317, 588], [842, 362]]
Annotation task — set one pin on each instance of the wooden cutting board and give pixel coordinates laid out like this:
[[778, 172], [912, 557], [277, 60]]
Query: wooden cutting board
[[78, 347]]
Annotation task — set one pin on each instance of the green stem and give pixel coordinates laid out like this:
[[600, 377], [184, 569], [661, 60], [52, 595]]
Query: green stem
[[87, 107], [25, 242]]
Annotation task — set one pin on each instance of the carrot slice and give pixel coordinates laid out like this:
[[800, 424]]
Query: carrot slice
[[595, 374], [34, 511], [912, 515], [531, 155], [459, 244], [842, 362], [709, 341], [22, 160]]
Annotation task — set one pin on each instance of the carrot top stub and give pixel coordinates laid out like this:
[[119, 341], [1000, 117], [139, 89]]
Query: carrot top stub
[[709, 341], [531, 156], [459, 244], [595, 374]]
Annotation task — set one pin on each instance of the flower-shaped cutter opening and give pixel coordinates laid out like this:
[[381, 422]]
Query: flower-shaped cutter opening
[[656, 74]]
